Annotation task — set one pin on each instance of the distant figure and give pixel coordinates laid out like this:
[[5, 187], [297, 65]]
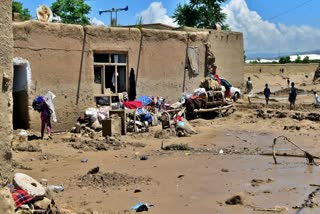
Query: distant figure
[[317, 99], [292, 96], [260, 70], [213, 71], [249, 88], [267, 94], [288, 81]]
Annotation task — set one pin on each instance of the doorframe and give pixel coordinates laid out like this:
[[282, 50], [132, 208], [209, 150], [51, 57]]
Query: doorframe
[[19, 61]]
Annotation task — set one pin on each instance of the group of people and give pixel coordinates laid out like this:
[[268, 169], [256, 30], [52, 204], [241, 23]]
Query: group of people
[[267, 93]]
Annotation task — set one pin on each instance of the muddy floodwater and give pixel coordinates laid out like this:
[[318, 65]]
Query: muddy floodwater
[[225, 160]]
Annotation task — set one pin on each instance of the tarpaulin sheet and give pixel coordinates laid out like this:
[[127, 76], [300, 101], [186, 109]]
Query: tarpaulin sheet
[[145, 100]]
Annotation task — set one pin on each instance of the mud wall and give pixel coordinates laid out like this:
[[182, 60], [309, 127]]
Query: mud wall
[[157, 56], [6, 44], [293, 68], [228, 50], [54, 54]]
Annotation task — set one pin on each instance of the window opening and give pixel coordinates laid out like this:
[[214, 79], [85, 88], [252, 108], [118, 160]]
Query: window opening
[[110, 70]]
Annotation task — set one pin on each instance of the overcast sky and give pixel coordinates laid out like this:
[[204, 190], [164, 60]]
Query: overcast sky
[[275, 26]]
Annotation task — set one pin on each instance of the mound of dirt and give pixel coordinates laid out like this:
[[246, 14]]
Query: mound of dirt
[[110, 179], [98, 144], [165, 134], [26, 147]]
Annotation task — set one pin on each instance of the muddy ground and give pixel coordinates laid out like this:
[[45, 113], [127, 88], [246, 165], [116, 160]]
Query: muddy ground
[[223, 160]]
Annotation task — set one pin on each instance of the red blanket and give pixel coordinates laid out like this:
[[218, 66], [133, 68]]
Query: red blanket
[[133, 104], [20, 197]]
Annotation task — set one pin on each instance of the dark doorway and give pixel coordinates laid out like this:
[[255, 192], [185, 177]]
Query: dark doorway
[[20, 116]]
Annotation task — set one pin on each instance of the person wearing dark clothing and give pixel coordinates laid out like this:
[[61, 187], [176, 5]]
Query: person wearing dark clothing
[[267, 94], [132, 91], [292, 96]]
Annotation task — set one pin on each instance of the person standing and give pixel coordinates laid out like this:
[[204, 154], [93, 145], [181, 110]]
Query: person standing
[[267, 93], [288, 82], [249, 89], [317, 99], [47, 110], [292, 96], [45, 119]]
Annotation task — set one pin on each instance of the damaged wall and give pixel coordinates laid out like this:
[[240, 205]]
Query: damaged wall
[[228, 50], [6, 44], [157, 56]]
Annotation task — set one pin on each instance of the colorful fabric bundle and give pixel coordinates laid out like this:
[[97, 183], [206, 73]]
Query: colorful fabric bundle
[[20, 197]]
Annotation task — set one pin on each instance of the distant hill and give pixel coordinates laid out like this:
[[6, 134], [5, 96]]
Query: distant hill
[[273, 56]]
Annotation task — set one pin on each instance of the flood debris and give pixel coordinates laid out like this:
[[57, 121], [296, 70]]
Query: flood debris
[[292, 128], [30, 196], [276, 208], [237, 199], [312, 201], [141, 207], [94, 170], [176, 147], [310, 158], [257, 182]]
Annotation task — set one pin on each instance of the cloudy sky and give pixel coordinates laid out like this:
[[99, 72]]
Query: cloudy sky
[[272, 26]]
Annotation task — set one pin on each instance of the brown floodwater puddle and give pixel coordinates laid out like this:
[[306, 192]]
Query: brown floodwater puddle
[[190, 182]]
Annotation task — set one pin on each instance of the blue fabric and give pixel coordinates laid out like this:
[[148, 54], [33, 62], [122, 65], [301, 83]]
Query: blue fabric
[[144, 115], [135, 207], [145, 100], [39, 99]]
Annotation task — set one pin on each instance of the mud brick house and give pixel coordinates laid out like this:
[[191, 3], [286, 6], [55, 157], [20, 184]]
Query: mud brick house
[[79, 64]]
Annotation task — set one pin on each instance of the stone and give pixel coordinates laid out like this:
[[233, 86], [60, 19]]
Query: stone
[[27, 183], [43, 204], [44, 182], [237, 199]]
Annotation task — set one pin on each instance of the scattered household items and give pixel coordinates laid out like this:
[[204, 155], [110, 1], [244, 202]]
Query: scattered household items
[[56, 188], [140, 207], [30, 195], [23, 136], [30, 185], [117, 114]]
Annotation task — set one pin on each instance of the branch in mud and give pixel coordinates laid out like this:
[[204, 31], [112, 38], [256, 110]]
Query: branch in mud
[[310, 158]]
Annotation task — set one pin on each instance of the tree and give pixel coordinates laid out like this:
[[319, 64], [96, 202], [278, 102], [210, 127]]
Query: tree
[[284, 60], [201, 14], [72, 11], [306, 59], [17, 7], [298, 60]]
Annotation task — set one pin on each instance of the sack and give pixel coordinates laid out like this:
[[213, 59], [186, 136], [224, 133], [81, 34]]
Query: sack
[[210, 84], [37, 104]]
